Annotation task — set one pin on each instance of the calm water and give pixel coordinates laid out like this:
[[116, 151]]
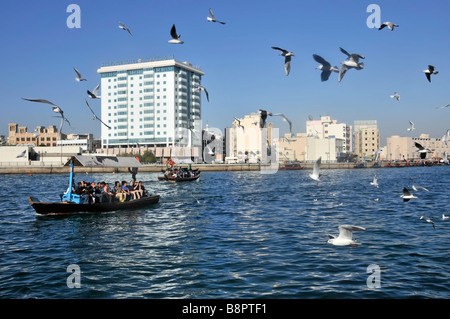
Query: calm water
[[233, 235]]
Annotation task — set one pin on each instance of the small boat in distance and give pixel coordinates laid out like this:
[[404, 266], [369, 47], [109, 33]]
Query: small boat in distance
[[180, 174], [290, 166], [72, 203]]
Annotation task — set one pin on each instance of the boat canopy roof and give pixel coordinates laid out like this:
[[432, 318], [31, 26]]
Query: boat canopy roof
[[103, 161]]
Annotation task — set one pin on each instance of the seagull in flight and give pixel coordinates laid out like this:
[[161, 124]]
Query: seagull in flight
[[238, 122], [287, 58], [375, 181], [395, 96], [416, 188], [56, 108], [446, 137], [202, 88], [345, 236], [78, 78], [212, 18], [407, 195], [422, 150], [94, 93], [316, 170], [123, 27], [325, 66], [352, 62], [428, 220], [175, 36], [95, 116], [428, 72], [441, 107], [284, 118], [22, 154], [411, 126], [390, 25]]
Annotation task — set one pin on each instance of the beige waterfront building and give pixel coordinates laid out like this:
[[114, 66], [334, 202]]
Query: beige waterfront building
[[293, 148], [404, 148], [367, 138], [41, 136]]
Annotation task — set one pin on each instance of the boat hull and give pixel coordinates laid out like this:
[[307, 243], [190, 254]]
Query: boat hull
[[72, 208], [180, 179]]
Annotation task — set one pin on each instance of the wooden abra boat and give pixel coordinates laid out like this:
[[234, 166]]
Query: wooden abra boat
[[72, 203], [178, 179], [72, 207]]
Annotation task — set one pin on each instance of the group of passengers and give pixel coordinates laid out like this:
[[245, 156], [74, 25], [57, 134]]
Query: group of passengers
[[179, 172], [103, 193]]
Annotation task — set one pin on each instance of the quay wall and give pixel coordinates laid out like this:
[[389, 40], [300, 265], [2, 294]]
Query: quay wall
[[25, 169]]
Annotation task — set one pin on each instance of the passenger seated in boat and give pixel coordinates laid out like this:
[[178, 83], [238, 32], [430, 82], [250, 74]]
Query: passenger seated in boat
[[132, 189], [126, 191], [139, 189], [118, 191], [107, 194]]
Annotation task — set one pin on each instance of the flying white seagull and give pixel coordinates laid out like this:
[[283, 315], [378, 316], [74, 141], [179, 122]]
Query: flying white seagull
[[123, 27], [441, 107], [95, 116], [395, 96], [416, 188], [428, 72], [325, 66], [22, 154], [446, 137], [390, 25], [375, 181], [352, 62], [202, 88], [287, 58], [422, 150], [78, 78], [212, 18], [428, 220], [56, 108], [345, 236], [316, 170], [94, 93], [407, 195], [175, 36], [411, 126]]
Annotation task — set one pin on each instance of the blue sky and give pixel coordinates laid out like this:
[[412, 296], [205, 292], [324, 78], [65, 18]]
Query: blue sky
[[242, 72]]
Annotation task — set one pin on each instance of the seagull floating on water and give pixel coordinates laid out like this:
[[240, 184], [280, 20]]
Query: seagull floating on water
[[411, 126], [407, 195], [212, 18], [352, 62], [123, 27], [325, 66], [445, 217], [388, 24], [287, 58], [422, 150], [428, 220], [78, 78], [395, 96], [93, 94], [95, 116], [315, 175], [375, 181], [175, 36], [428, 72], [345, 236]]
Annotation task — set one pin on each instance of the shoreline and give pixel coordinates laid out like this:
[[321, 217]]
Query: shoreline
[[202, 167]]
